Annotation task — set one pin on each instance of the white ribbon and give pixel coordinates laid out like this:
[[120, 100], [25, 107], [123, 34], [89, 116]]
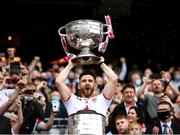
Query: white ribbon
[[109, 34]]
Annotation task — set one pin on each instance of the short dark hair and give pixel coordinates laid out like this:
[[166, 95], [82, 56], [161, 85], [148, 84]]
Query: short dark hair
[[87, 72], [129, 85]]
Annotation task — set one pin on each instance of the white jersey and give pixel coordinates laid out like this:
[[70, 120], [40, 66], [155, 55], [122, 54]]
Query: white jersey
[[3, 98], [99, 103], [5, 94]]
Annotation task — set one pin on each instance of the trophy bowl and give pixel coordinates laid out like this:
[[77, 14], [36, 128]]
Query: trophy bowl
[[84, 35]]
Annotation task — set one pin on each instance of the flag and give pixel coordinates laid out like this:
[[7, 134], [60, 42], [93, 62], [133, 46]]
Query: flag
[[60, 61]]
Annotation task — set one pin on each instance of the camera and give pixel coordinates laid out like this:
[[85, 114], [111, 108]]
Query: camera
[[55, 103], [12, 80], [29, 91], [155, 76]]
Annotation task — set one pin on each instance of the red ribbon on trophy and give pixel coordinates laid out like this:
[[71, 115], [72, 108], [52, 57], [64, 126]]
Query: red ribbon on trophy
[[68, 54], [65, 46], [109, 34]]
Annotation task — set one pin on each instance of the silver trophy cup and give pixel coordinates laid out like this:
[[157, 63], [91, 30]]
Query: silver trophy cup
[[84, 35], [86, 122]]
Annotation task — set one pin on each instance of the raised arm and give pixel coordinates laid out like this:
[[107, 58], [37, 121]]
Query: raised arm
[[167, 79], [141, 91], [123, 70], [63, 89], [12, 99], [33, 63], [24, 73], [19, 122], [46, 126], [110, 86]]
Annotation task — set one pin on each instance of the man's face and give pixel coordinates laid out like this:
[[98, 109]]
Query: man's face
[[157, 86], [87, 85], [122, 125], [135, 77], [163, 108], [164, 112], [129, 95]]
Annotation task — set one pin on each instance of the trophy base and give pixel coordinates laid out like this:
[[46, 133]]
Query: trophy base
[[86, 60]]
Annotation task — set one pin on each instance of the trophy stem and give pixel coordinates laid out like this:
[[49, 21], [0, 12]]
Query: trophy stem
[[86, 57], [85, 50]]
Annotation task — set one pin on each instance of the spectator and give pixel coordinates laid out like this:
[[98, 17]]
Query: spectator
[[169, 88], [135, 77], [123, 70], [152, 101], [72, 82], [16, 120], [129, 95], [121, 125], [136, 115], [148, 72], [176, 77], [118, 97], [135, 129], [31, 109], [176, 117], [164, 123], [100, 83]]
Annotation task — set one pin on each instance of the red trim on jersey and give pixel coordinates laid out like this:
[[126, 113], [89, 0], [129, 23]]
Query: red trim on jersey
[[106, 97], [86, 108], [67, 99]]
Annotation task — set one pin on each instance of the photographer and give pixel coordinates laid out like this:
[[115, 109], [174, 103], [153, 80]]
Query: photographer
[[11, 82], [5, 125], [40, 124], [31, 109], [58, 110], [4, 105]]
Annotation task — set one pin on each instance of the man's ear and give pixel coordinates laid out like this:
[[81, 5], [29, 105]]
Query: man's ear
[[95, 86], [78, 86], [172, 111]]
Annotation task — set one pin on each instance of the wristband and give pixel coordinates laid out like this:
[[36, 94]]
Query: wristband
[[168, 82], [100, 63]]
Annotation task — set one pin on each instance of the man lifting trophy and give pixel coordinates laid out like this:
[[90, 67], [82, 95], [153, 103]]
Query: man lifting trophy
[[87, 113], [85, 35]]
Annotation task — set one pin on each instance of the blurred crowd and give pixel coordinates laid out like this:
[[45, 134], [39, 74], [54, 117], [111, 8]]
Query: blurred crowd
[[143, 101]]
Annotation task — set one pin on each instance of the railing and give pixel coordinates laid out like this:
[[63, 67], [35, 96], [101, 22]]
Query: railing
[[59, 127]]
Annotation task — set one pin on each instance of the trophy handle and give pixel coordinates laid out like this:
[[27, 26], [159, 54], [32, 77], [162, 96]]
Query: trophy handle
[[59, 31], [109, 34], [64, 43]]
